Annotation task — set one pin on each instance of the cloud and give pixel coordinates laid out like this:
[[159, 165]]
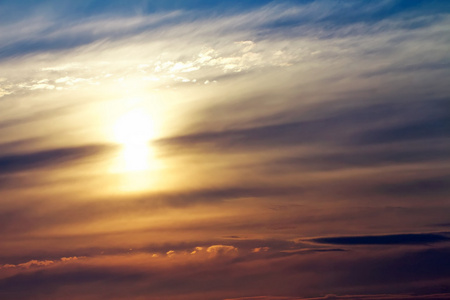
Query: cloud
[[31, 263], [393, 239], [260, 249], [222, 250], [40, 263], [72, 213], [213, 251], [48, 158], [54, 35], [353, 125], [354, 297], [271, 135], [432, 128], [364, 158], [243, 249], [432, 185], [135, 275]]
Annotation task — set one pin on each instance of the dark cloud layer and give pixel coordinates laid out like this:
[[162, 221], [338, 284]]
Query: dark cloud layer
[[441, 296], [223, 273], [394, 239], [438, 127], [439, 185], [363, 158], [48, 158], [351, 126]]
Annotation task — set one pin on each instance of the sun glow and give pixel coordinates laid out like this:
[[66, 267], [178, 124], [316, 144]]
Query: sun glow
[[134, 130], [136, 163], [135, 122]]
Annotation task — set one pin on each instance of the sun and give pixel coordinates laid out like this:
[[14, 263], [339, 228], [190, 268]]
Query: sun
[[133, 130], [136, 167]]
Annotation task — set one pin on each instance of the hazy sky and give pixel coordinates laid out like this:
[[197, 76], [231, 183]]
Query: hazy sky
[[212, 150]]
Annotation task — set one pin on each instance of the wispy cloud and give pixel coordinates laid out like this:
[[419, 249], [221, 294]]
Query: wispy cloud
[[49, 158]]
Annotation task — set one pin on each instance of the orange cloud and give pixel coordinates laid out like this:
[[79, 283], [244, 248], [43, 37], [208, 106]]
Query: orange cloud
[[39, 263]]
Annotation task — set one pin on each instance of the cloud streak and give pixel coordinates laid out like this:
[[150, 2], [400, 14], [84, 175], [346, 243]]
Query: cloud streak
[[49, 158], [394, 239]]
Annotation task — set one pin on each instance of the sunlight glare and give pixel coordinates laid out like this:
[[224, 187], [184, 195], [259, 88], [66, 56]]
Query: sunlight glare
[[137, 165], [134, 130]]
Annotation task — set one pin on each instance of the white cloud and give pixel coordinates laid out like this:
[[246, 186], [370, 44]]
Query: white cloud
[[41, 86], [207, 49], [222, 250], [4, 92]]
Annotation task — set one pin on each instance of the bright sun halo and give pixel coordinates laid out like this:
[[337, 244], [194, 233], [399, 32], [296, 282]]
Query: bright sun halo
[[134, 130]]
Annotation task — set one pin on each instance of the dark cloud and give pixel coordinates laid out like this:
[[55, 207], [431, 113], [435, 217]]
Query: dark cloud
[[363, 158], [350, 125], [442, 225], [49, 158], [436, 127], [393, 239], [305, 251], [441, 296], [410, 266], [374, 272], [341, 272], [275, 135], [430, 186], [38, 283]]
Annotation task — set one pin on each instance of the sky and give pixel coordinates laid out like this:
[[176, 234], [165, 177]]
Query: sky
[[224, 150]]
